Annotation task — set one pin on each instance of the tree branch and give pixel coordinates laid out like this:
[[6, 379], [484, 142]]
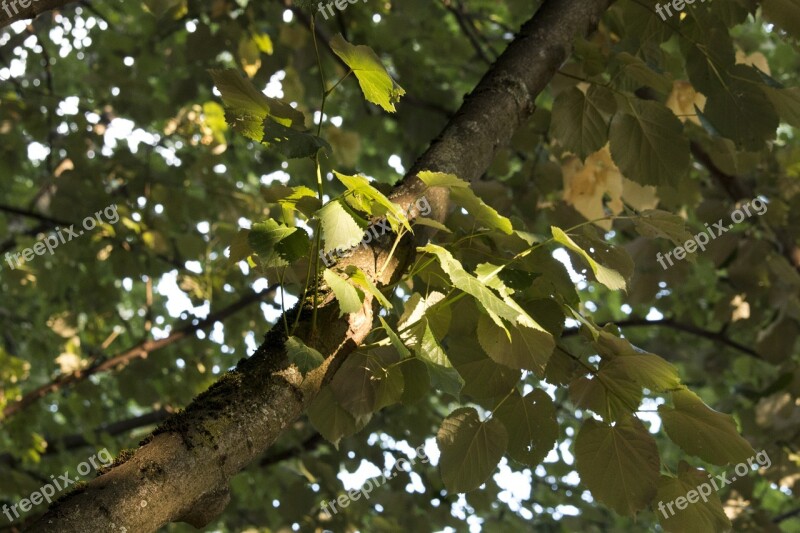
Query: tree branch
[[33, 215], [679, 326], [139, 351], [78, 440], [183, 472]]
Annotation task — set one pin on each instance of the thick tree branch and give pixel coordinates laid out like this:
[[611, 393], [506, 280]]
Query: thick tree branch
[[139, 351], [183, 472]]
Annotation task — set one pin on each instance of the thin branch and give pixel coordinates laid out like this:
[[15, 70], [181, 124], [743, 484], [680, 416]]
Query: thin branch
[[139, 351], [785, 516], [679, 326], [78, 440], [32, 214], [467, 30], [307, 445]]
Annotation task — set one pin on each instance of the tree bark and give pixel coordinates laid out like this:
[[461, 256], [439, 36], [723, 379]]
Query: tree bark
[[182, 472]]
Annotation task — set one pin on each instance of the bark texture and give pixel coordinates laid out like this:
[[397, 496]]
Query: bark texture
[[182, 472]]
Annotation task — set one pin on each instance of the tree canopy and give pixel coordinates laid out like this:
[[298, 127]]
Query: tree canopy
[[450, 265]]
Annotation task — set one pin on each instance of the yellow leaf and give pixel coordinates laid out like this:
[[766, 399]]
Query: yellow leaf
[[249, 56], [586, 184], [682, 100], [756, 59]]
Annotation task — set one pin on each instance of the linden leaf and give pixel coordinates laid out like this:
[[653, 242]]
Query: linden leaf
[[378, 87], [350, 298], [702, 431], [531, 425], [619, 464], [702, 509], [648, 144], [471, 449], [304, 357], [608, 277]]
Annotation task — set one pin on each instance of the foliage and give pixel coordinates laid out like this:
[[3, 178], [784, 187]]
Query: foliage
[[497, 344]]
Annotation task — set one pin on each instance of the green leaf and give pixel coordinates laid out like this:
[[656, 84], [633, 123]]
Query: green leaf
[[610, 278], [378, 87], [350, 299], [786, 102], [299, 198], [528, 348], [360, 187], [643, 368], [702, 511], [462, 280], [330, 418], [429, 222], [395, 340], [240, 247], [291, 142], [784, 13], [648, 144], [703, 432], [578, 123], [709, 59], [264, 119], [483, 213], [447, 380], [304, 357], [561, 368], [619, 465], [440, 179], [339, 228], [741, 111], [639, 70], [462, 195], [390, 387], [249, 106], [531, 425], [425, 324], [483, 378], [355, 384], [358, 277], [611, 395], [646, 370], [416, 381], [278, 245], [470, 449], [654, 223]]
